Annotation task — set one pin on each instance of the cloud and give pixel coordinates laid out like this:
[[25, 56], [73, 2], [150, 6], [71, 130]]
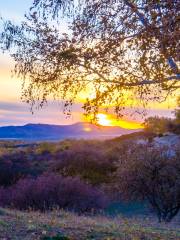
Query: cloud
[[18, 113], [13, 113]]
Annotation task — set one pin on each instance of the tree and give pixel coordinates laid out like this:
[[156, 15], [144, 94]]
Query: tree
[[157, 125], [112, 47], [152, 175], [174, 126], [160, 125], [177, 112]]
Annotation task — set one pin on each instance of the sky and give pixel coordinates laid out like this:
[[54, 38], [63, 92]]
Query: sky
[[14, 112]]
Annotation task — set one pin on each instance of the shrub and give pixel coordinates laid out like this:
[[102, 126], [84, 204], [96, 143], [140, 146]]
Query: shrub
[[90, 165], [152, 175], [48, 191], [15, 166]]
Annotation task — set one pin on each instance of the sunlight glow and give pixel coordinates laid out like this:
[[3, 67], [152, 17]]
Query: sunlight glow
[[129, 100], [87, 129], [105, 119]]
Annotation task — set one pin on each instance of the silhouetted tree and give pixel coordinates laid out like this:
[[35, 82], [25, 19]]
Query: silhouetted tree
[[112, 47]]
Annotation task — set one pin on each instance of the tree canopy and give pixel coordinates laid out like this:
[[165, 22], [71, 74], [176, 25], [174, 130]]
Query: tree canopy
[[111, 47]]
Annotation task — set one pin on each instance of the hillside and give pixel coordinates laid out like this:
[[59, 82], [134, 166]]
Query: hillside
[[59, 225], [76, 175], [45, 131]]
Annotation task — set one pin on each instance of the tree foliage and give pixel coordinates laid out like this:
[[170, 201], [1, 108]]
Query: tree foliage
[[112, 47]]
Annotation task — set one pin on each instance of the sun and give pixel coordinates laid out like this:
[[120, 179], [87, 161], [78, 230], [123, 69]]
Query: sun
[[103, 120], [110, 120]]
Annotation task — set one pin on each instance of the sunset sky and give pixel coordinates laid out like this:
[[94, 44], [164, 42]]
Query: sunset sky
[[14, 112]]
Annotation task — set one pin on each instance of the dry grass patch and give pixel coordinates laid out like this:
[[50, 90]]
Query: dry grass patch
[[60, 225]]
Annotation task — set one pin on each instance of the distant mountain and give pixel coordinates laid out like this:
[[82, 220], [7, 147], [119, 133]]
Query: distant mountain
[[55, 132]]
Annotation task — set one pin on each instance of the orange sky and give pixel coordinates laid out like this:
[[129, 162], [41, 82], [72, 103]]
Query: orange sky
[[11, 106]]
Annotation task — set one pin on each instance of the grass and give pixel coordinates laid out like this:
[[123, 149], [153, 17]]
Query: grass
[[60, 225]]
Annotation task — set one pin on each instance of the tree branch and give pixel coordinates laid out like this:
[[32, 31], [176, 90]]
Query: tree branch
[[136, 84], [145, 22]]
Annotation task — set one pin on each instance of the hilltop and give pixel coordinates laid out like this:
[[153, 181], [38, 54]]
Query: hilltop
[[56, 132]]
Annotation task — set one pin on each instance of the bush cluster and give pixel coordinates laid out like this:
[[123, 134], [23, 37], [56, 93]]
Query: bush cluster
[[15, 166], [90, 165], [49, 191]]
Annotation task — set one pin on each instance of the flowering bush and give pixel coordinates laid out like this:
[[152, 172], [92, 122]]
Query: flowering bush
[[48, 191]]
